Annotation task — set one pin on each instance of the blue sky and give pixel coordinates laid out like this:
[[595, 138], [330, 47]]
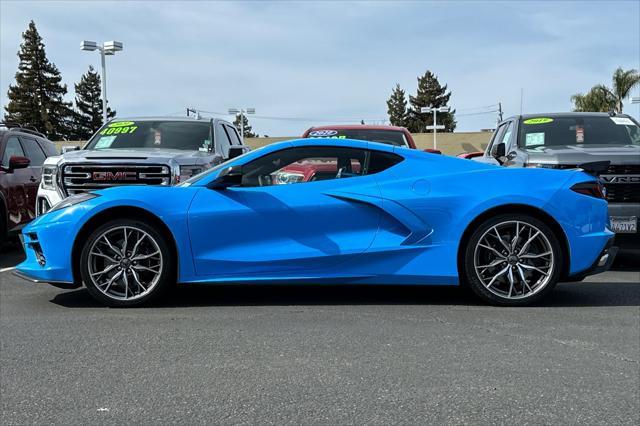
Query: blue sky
[[332, 61]]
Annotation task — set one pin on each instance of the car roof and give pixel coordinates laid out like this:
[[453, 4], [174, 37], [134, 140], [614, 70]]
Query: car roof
[[566, 114], [168, 118], [359, 127]]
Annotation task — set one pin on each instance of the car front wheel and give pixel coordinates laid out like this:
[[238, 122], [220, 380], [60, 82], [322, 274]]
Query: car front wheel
[[512, 259], [126, 263]]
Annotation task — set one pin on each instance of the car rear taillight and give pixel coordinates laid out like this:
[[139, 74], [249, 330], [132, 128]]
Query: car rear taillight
[[592, 189]]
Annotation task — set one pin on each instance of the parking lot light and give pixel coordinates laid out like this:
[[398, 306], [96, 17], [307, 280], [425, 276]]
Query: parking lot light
[[435, 126], [107, 48]]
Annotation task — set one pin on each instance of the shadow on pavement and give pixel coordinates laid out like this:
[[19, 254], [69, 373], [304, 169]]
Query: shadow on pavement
[[11, 254], [565, 295]]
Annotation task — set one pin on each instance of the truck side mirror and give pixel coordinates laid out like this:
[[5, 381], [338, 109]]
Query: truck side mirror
[[236, 151], [498, 151]]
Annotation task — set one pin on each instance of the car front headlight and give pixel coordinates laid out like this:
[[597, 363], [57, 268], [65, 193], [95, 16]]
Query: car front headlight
[[49, 176], [285, 178], [73, 200]]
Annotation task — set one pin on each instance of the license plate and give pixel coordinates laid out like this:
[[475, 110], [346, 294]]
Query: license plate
[[624, 224]]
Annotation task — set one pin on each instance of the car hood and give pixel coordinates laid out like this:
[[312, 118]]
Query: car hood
[[575, 154], [151, 155]]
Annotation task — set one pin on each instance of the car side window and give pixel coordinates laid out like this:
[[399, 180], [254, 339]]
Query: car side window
[[12, 148], [33, 151], [497, 136], [223, 141], [381, 161], [305, 164], [233, 135], [506, 135]]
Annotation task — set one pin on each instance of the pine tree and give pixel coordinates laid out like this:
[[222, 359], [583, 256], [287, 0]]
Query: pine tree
[[248, 133], [88, 117], [430, 94], [397, 107], [37, 97]]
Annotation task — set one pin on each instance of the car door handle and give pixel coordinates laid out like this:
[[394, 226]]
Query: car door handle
[[33, 179]]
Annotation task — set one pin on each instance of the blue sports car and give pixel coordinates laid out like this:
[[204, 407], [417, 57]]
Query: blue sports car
[[368, 214]]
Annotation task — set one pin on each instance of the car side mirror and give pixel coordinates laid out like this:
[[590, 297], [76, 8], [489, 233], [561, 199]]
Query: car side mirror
[[66, 149], [18, 162], [231, 176], [498, 151], [236, 151]]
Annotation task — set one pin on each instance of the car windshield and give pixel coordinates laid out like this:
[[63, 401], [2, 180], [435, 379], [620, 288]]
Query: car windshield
[[389, 137], [541, 132], [167, 134]]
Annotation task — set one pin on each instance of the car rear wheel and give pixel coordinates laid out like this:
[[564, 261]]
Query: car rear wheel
[[512, 260], [126, 263]]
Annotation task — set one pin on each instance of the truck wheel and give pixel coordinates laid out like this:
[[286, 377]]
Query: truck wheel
[[512, 260], [126, 263]]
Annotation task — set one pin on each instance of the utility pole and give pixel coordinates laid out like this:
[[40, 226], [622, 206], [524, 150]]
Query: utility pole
[[435, 126]]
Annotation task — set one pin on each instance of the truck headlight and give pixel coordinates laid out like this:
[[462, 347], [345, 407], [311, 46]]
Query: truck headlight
[[49, 176], [187, 172]]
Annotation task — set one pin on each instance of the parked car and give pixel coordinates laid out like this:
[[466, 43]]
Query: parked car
[[564, 141], [318, 170], [402, 217], [139, 151], [22, 153], [392, 135]]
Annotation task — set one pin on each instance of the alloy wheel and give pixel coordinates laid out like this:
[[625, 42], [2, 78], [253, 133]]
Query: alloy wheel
[[125, 263], [514, 260]]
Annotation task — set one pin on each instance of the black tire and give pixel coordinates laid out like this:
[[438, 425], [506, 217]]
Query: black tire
[[166, 272], [471, 278]]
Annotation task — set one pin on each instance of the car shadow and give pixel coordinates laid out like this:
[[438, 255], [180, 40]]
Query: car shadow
[[188, 296]]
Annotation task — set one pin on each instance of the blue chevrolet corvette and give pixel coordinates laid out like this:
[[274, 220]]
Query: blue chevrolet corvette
[[327, 211]]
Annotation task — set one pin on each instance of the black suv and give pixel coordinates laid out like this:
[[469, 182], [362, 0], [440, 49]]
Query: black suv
[[22, 153]]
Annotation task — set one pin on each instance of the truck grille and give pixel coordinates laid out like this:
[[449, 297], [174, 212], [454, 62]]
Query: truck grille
[[623, 192], [77, 178]]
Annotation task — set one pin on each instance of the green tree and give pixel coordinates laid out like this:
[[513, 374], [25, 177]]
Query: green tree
[[397, 107], [430, 94], [88, 116], [37, 98], [248, 133], [602, 98], [598, 99]]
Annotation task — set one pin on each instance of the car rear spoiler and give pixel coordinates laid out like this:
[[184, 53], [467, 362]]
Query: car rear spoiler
[[594, 168]]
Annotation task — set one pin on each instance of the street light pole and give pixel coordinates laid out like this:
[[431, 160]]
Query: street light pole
[[435, 126], [107, 48], [104, 87]]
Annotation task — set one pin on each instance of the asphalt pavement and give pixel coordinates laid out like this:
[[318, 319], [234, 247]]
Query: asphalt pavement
[[321, 355]]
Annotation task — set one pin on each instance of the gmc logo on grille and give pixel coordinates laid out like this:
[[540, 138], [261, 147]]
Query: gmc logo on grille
[[620, 178], [114, 177]]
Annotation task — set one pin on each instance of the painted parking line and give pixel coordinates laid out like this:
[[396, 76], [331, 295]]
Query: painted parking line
[[7, 269]]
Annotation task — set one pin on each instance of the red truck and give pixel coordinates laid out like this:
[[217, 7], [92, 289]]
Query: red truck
[[312, 169], [22, 152]]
